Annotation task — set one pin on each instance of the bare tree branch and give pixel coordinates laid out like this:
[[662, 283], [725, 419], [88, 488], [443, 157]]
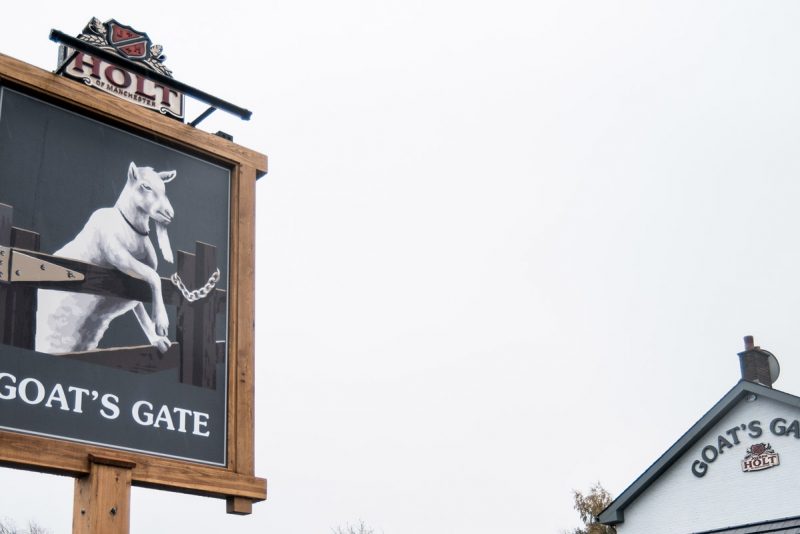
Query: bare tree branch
[[361, 528], [9, 527]]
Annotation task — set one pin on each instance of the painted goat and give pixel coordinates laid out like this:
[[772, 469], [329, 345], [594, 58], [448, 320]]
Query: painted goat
[[116, 238]]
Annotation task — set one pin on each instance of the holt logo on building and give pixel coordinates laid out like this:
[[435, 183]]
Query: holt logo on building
[[132, 45], [760, 456]]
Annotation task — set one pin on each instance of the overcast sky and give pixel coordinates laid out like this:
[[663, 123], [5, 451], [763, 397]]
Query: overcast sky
[[505, 249]]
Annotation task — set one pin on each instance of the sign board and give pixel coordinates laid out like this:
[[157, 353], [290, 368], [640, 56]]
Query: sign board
[[133, 45], [86, 199], [126, 289], [760, 456]]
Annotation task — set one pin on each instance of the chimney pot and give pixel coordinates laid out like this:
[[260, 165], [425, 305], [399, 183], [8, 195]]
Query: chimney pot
[[758, 365]]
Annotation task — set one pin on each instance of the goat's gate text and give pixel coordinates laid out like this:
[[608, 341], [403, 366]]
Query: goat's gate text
[[56, 397], [76, 399]]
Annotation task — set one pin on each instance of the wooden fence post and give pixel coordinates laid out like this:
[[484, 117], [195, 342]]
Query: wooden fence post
[[185, 329], [17, 304], [23, 300], [6, 216], [197, 320], [102, 503], [205, 318]]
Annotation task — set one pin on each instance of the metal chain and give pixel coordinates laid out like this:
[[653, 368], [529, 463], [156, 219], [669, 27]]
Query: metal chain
[[197, 294]]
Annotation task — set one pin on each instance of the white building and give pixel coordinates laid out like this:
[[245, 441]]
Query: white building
[[737, 470]]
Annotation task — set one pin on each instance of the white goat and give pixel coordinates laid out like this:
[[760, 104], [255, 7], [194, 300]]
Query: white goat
[[116, 238]]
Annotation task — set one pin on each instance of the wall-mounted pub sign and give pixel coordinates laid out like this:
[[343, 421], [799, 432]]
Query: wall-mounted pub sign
[[130, 44], [760, 456]]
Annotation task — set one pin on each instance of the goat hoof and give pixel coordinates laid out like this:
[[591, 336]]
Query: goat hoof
[[162, 345]]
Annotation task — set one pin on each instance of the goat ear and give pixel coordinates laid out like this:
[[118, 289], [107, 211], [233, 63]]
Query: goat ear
[[133, 173], [167, 176]]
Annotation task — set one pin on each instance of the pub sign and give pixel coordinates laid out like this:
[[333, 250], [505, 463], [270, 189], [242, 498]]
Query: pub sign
[[127, 275], [96, 347], [130, 44]]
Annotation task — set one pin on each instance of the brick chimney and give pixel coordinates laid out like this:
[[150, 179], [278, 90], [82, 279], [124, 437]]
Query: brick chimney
[[757, 364]]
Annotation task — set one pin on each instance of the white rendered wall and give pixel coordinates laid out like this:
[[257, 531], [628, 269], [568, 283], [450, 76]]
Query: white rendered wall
[[681, 503]]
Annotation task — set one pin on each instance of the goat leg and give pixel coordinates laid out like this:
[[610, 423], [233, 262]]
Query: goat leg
[[126, 263], [162, 343]]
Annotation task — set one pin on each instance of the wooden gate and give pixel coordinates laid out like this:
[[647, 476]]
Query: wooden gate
[[195, 353]]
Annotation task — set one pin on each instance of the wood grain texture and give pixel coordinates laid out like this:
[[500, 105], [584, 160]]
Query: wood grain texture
[[239, 506], [236, 482], [47, 455], [102, 502], [245, 324]]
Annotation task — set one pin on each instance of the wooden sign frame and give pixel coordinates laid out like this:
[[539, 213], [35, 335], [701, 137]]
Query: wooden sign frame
[[236, 481]]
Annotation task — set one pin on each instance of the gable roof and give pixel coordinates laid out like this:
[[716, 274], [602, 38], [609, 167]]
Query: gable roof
[[614, 513]]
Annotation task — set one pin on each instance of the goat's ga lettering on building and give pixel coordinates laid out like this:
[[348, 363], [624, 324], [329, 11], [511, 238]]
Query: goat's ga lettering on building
[[75, 399], [733, 437]]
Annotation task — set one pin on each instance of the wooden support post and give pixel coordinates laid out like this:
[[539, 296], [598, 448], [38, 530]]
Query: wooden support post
[[103, 499], [239, 506]]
